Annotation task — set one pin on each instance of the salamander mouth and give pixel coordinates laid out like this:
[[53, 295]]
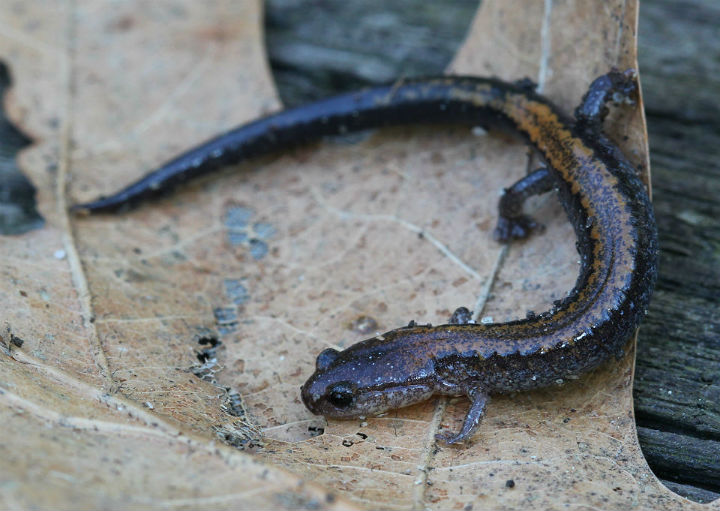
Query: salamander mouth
[[368, 402]]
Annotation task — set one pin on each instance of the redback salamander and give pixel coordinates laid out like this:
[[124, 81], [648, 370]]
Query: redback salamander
[[602, 195]]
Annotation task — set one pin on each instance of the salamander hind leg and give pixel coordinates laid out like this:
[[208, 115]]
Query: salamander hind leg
[[478, 399], [512, 222], [616, 86]]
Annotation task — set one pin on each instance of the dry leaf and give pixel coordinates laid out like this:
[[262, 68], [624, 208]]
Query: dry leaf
[[117, 397]]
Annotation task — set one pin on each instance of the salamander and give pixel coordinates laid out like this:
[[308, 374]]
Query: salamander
[[600, 190]]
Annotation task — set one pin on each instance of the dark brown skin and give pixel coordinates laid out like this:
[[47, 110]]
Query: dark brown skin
[[605, 200]]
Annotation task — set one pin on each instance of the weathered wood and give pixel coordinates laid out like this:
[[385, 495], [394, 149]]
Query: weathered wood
[[340, 45], [677, 389], [319, 48], [691, 492], [17, 195], [694, 461]]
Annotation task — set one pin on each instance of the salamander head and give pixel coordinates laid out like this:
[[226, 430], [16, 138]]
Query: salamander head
[[365, 379]]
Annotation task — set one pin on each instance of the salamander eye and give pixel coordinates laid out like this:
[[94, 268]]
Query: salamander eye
[[340, 395]]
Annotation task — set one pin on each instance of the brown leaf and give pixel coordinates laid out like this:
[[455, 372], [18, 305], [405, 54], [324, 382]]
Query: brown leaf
[[101, 407], [119, 389]]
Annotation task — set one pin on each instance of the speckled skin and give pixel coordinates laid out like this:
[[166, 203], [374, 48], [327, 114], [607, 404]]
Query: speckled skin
[[602, 195]]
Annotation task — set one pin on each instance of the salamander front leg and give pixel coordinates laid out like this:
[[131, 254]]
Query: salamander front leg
[[461, 316], [512, 223], [478, 400]]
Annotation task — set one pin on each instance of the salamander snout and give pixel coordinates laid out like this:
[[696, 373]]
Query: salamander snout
[[331, 400], [332, 397], [329, 392]]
